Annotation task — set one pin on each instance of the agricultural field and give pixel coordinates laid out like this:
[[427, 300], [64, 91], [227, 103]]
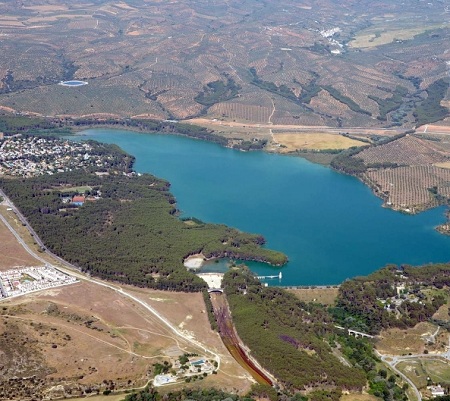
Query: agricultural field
[[406, 151], [377, 35], [408, 188], [290, 142], [292, 64], [410, 173]]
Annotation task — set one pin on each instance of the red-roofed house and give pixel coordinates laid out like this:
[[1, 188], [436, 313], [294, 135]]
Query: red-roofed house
[[78, 200]]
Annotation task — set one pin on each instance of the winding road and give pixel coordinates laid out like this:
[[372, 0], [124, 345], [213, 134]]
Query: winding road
[[393, 360]]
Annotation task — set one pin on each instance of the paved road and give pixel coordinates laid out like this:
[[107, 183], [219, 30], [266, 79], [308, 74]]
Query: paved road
[[74, 271], [392, 363], [393, 360]]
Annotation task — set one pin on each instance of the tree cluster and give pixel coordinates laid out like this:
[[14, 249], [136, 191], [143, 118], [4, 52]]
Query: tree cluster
[[217, 91], [286, 336], [359, 303]]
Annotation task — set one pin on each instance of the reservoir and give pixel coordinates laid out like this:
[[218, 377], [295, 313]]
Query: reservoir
[[330, 225]]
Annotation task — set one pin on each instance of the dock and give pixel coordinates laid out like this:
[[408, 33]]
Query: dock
[[279, 276]]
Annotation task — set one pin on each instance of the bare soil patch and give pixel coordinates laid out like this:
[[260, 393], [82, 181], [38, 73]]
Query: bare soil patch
[[187, 312], [443, 165], [443, 313], [84, 335], [358, 397], [325, 296], [401, 342], [434, 128]]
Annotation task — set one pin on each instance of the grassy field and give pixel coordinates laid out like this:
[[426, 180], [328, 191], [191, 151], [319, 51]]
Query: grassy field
[[381, 35], [418, 370], [414, 370], [358, 397], [313, 141], [111, 397], [325, 296], [80, 190], [438, 370]]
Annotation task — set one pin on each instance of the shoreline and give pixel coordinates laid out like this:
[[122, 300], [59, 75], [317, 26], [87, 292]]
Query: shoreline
[[194, 262], [375, 190]]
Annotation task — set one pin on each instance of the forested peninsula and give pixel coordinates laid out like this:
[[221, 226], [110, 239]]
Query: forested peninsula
[[127, 229]]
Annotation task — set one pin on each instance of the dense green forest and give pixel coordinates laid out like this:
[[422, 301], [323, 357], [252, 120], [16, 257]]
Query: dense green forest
[[346, 162], [286, 335], [388, 105], [360, 306], [12, 124], [430, 110], [167, 127], [217, 91], [130, 233]]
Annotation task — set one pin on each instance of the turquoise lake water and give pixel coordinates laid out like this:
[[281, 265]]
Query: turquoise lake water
[[330, 225]]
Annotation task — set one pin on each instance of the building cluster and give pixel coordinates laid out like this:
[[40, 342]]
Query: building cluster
[[23, 280], [403, 294], [436, 391], [193, 368], [29, 156]]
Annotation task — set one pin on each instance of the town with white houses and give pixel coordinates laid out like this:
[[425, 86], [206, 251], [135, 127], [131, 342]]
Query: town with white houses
[[29, 156], [24, 280]]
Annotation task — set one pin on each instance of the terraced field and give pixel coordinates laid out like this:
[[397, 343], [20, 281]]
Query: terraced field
[[410, 173], [315, 65], [407, 151], [408, 188]]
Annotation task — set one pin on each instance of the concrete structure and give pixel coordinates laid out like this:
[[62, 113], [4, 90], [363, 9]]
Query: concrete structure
[[436, 391]]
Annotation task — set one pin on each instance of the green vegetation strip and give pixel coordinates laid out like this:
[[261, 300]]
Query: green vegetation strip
[[430, 109], [391, 104], [352, 105], [217, 91]]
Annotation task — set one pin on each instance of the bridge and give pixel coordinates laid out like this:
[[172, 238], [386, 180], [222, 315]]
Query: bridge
[[215, 290], [354, 333]]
